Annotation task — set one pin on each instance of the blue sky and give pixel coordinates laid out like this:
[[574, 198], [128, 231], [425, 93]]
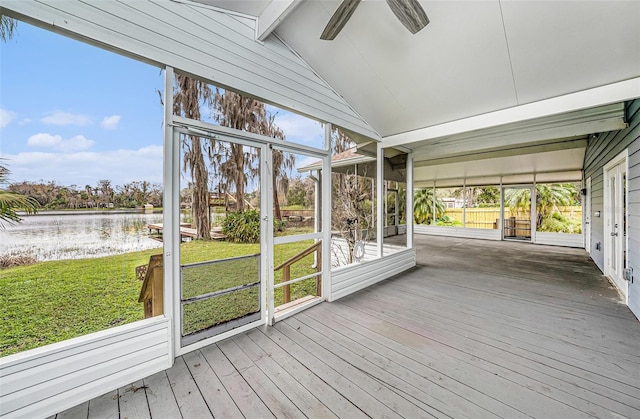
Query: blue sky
[[74, 114]]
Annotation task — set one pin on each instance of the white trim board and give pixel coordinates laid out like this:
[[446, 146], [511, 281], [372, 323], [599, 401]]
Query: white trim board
[[599, 96]]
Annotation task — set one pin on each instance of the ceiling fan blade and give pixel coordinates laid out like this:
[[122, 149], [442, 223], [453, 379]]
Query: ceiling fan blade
[[410, 13], [339, 19]]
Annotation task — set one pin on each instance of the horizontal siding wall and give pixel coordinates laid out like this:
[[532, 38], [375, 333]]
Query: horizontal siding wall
[[560, 239], [44, 381], [200, 41], [349, 279], [599, 152], [467, 233], [633, 208]]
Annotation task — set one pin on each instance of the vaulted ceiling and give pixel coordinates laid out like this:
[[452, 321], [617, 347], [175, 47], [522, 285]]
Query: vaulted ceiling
[[474, 58]]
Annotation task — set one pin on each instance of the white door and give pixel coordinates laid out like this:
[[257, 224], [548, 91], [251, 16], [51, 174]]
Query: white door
[[616, 224], [221, 291], [587, 217]]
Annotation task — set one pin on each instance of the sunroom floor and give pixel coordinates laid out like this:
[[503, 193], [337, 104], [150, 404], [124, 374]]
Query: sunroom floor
[[477, 329]]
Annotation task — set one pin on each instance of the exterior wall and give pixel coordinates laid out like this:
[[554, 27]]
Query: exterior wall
[[599, 152], [349, 279], [468, 233], [559, 239], [200, 41], [43, 381]]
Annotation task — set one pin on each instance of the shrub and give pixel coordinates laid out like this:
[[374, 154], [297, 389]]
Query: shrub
[[242, 227]]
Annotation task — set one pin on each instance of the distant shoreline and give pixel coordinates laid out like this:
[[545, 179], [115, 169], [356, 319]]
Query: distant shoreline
[[92, 212]]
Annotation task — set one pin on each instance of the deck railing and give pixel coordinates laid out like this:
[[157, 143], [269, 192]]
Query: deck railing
[[286, 271]]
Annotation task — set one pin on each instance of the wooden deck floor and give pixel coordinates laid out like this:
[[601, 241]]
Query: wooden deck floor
[[478, 329]]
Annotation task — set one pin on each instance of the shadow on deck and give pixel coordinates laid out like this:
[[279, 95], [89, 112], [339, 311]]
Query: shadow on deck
[[478, 329]]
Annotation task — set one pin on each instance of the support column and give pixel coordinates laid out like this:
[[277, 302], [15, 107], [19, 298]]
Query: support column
[[464, 203], [501, 223], [325, 186], [380, 198], [409, 203], [171, 217], [433, 199]]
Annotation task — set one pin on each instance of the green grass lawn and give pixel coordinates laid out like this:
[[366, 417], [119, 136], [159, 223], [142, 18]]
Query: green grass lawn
[[53, 301]]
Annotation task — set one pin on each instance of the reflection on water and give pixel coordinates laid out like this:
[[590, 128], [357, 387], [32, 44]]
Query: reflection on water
[[74, 235]]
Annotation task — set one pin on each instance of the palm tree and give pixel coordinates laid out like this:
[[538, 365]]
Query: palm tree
[[11, 202], [423, 206], [548, 198], [8, 28], [187, 97]]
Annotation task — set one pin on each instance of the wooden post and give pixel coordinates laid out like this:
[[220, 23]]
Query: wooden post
[[286, 290], [157, 292], [318, 269], [152, 292]]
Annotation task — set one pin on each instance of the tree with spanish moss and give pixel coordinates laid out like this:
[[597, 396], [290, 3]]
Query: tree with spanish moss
[[188, 95], [8, 27], [243, 113]]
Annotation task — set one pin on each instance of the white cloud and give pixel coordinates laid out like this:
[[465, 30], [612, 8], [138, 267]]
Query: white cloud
[[6, 117], [44, 140], [65, 118], [77, 143], [110, 122], [299, 129], [87, 167], [56, 142], [24, 121]]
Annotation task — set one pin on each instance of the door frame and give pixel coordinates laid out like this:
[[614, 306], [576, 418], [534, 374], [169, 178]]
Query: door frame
[[322, 213], [621, 161], [192, 127], [204, 130], [587, 216], [532, 210]]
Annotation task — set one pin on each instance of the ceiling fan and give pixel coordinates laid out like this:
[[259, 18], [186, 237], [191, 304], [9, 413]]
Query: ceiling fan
[[409, 12]]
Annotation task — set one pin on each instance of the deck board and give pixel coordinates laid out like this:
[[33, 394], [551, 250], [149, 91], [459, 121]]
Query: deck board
[[79, 411], [189, 399], [333, 400], [242, 393], [133, 401], [214, 393], [162, 401], [302, 398], [277, 402], [105, 406], [478, 329]]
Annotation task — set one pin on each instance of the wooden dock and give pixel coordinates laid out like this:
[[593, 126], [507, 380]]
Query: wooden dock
[[186, 232], [468, 333]]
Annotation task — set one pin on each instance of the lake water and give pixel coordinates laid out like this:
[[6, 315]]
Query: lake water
[[73, 235]]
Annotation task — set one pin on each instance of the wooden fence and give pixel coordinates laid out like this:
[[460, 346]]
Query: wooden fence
[[486, 217]]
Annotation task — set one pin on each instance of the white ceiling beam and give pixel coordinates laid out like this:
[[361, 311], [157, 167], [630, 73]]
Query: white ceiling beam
[[611, 93], [271, 17], [420, 161], [547, 130]]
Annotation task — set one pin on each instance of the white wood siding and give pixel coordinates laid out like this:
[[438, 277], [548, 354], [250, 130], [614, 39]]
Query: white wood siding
[[560, 239], [599, 152], [199, 41], [468, 233], [349, 279], [43, 381]]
